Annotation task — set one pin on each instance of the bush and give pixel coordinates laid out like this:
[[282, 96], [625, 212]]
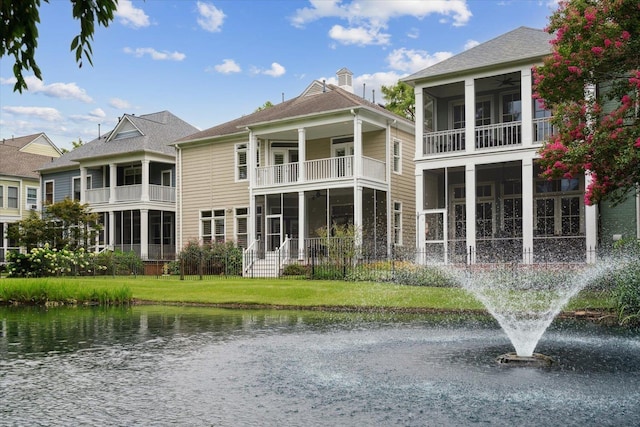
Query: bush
[[295, 270], [626, 282], [119, 263], [47, 262], [213, 258]]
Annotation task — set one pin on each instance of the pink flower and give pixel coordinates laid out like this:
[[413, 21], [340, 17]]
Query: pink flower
[[637, 144], [607, 42], [597, 50], [625, 34]]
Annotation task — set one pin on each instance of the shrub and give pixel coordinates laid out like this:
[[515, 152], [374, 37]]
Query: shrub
[[47, 262], [219, 258], [626, 282], [119, 263], [295, 270]]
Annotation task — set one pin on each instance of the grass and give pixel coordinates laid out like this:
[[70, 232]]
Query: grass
[[258, 292]]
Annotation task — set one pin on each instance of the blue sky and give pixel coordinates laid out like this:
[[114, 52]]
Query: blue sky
[[211, 61]]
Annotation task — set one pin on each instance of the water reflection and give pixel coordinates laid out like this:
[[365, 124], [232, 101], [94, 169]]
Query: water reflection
[[203, 366]]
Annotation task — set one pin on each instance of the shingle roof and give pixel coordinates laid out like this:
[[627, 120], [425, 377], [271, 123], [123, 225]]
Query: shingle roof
[[334, 99], [158, 130], [14, 162], [521, 44]]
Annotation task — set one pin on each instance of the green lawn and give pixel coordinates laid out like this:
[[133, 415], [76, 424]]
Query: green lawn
[[275, 292]]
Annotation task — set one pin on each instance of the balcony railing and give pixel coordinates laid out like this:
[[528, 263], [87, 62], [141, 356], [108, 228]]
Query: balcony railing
[[328, 169], [486, 137], [125, 193]]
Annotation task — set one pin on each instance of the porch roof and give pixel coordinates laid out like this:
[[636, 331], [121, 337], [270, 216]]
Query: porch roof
[[518, 45], [308, 104]]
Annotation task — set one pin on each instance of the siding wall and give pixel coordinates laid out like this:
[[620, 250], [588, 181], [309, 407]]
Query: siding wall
[[62, 186], [208, 183], [403, 187], [621, 220]]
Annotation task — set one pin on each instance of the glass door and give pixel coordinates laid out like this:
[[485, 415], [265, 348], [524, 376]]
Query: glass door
[[274, 232]]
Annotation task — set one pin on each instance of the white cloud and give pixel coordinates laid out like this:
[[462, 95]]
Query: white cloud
[[276, 70], [228, 66], [130, 16], [44, 113], [471, 43], [119, 103], [94, 116], [411, 60], [53, 90], [413, 33], [154, 54], [367, 19], [361, 36], [210, 17]]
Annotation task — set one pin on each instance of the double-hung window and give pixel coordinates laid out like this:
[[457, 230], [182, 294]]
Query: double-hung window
[[242, 221], [12, 197], [32, 198], [397, 156], [397, 223], [212, 226], [242, 164]]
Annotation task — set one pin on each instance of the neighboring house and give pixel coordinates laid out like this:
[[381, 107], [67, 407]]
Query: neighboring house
[[273, 178], [478, 189], [128, 177], [20, 182]]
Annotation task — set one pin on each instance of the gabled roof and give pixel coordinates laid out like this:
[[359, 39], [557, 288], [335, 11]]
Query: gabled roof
[[151, 133], [520, 45], [318, 98], [17, 161]]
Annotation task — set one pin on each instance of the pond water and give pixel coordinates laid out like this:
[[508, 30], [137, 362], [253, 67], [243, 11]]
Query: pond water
[[149, 365]]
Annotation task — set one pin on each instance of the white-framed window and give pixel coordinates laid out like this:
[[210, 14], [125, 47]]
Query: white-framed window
[[49, 188], [242, 165], [482, 113], [212, 226], [242, 230], [12, 197], [484, 211], [397, 156], [1, 196], [133, 175], [32, 197], [558, 207], [512, 208], [459, 208], [397, 223], [76, 188]]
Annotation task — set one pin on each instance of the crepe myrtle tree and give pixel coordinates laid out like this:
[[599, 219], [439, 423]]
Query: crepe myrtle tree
[[19, 36], [591, 82]]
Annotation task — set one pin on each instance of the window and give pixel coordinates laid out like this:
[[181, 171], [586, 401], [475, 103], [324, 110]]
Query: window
[[511, 107], [558, 207], [397, 156], [242, 172], [76, 188], [397, 223], [484, 211], [12, 197], [512, 209], [133, 175], [242, 220], [1, 196], [48, 192], [212, 226], [32, 198]]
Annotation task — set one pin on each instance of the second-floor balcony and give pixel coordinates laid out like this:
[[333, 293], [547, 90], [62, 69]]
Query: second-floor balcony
[[493, 136], [321, 170], [131, 193]]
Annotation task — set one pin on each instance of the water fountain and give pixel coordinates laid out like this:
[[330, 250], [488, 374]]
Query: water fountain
[[525, 299]]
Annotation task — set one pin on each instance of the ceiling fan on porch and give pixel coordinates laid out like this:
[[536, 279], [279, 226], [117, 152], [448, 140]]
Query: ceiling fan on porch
[[317, 195], [506, 81]]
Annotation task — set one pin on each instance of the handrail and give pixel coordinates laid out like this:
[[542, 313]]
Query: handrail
[[248, 256]]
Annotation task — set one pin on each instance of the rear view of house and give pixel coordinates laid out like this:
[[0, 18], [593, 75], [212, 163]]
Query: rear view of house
[[272, 179], [20, 182], [128, 177]]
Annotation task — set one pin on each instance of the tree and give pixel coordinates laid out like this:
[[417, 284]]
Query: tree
[[264, 106], [74, 144], [401, 100], [19, 36], [591, 82], [66, 224]]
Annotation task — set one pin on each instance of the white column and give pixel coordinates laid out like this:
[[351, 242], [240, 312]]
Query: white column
[[469, 115], [302, 155], [419, 116], [144, 233], [178, 240], [113, 182], [590, 225], [470, 201], [251, 171], [83, 185], [112, 231], [527, 210], [145, 180], [302, 224], [357, 147], [527, 107], [357, 215]]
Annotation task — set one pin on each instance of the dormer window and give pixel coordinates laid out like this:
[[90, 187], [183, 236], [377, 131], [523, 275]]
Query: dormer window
[[127, 134]]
